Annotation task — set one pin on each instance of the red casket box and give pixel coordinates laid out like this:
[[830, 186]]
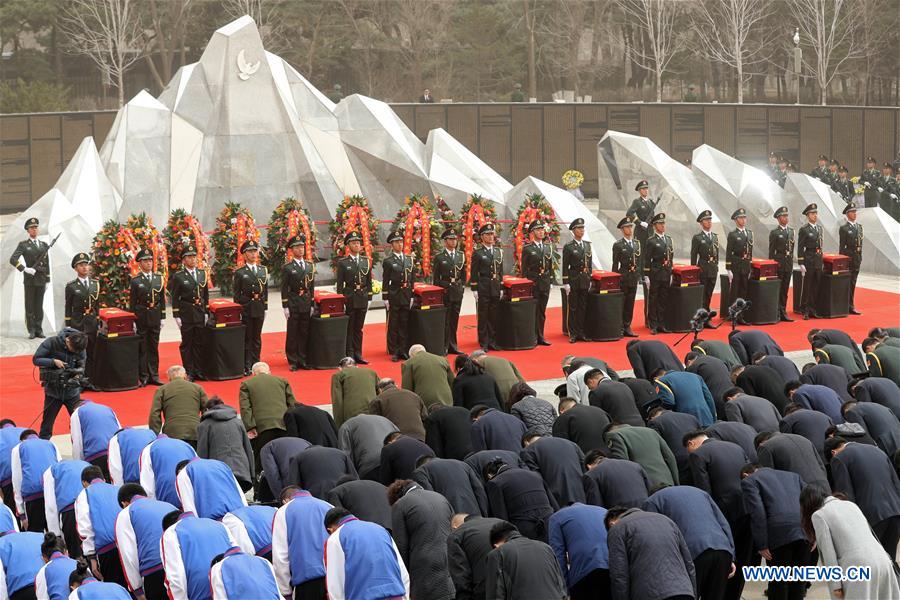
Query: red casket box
[[115, 322], [328, 304], [425, 295], [224, 313], [517, 288], [604, 281], [762, 269], [835, 263], [685, 275]]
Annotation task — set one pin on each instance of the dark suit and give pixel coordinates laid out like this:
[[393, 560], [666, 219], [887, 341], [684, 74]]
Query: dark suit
[[617, 400], [354, 282], [880, 390], [486, 278], [317, 469], [82, 308], [298, 288], [35, 285], [810, 424], [560, 464], [576, 273], [658, 267], [537, 265], [746, 343], [671, 427], [397, 276], [448, 431], [850, 237], [790, 452], [449, 272], [617, 482], [522, 498], [646, 356], [705, 254], [738, 254], [626, 261], [809, 254], [147, 300], [190, 300], [765, 382], [716, 375], [457, 482], [736, 433], [879, 422], [781, 250], [366, 499], [252, 293], [312, 424], [583, 425]]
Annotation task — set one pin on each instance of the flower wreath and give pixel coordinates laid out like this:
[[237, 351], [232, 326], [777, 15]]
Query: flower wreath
[[234, 226], [572, 179], [535, 208], [288, 219], [184, 230], [353, 214], [417, 215], [115, 250], [477, 211]]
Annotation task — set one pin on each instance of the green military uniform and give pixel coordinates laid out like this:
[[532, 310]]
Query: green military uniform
[[577, 267], [298, 298], [809, 255], [537, 265], [717, 349], [884, 361], [850, 244], [264, 399], [869, 179], [645, 447], [354, 282], [147, 300], [658, 253], [397, 291], [251, 291], [738, 255], [504, 373], [34, 253], [486, 279], [449, 272], [82, 308], [641, 211], [189, 290], [841, 356], [781, 250], [352, 388], [429, 376], [626, 261], [176, 408], [705, 254]]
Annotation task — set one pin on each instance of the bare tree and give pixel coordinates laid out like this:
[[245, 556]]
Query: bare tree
[[266, 15], [656, 22], [165, 24], [420, 31], [725, 30], [828, 30], [108, 32]]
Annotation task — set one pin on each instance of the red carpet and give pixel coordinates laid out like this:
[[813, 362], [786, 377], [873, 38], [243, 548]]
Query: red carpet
[[21, 396]]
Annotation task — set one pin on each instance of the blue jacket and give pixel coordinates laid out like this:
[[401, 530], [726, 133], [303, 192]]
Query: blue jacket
[[125, 449], [53, 578], [9, 437], [67, 482], [20, 559], [91, 589], [241, 576], [188, 548], [251, 528], [164, 455], [92, 425], [96, 509], [366, 561], [687, 393], [298, 540], [207, 488], [701, 522], [820, 398], [772, 499], [496, 430], [578, 538], [36, 456], [141, 522]]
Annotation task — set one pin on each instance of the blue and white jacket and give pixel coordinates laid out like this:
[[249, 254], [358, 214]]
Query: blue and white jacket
[[62, 484], [9, 522], [138, 535], [52, 581], [207, 488], [91, 589], [96, 510], [158, 462], [362, 562], [251, 528], [241, 576], [188, 548], [92, 426], [20, 561], [298, 541], [9, 437], [29, 459], [125, 450]]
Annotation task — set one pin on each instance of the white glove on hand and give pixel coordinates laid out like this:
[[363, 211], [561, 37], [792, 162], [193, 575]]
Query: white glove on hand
[[178, 322], [880, 190], [894, 196], [671, 279], [29, 270], [312, 309], [567, 288], [205, 319], [411, 301], [647, 281], [730, 276], [867, 184], [387, 305], [287, 313], [803, 269], [475, 294], [644, 224]]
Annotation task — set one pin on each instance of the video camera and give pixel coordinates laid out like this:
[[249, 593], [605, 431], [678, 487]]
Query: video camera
[[739, 306], [701, 318], [69, 378]]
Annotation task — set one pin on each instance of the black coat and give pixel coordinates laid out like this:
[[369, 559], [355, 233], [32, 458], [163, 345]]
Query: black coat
[[275, 458], [616, 482], [354, 281], [457, 482], [521, 569], [841, 338], [470, 390], [880, 390], [317, 469], [764, 382], [251, 290], [643, 390], [495, 430], [831, 376], [811, 424], [560, 464], [783, 365], [646, 356], [366, 499], [617, 400], [716, 469], [190, 296], [448, 431], [467, 551], [672, 426], [521, 497], [790, 452], [880, 423], [421, 525], [758, 413], [868, 478], [486, 272], [746, 343], [312, 424], [716, 375], [147, 300], [479, 460], [772, 499], [583, 425], [398, 459], [736, 433]]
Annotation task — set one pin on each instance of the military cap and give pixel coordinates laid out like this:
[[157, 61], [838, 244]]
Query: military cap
[[871, 159], [297, 240], [823, 157], [843, 169], [658, 218], [887, 166], [144, 254], [706, 214], [579, 222], [851, 206], [773, 154], [249, 245], [449, 234], [782, 211], [394, 236], [626, 222], [738, 213], [536, 225], [641, 185], [353, 236], [782, 159], [81, 257], [486, 228], [835, 162], [32, 222], [189, 251], [810, 209]]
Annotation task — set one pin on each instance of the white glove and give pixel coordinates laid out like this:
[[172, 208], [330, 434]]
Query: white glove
[[387, 305], [894, 196], [411, 300], [205, 319], [671, 279], [803, 269], [730, 276], [312, 309], [287, 313], [867, 184], [880, 189], [644, 224], [566, 287], [178, 322], [647, 281], [29, 270], [475, 294]]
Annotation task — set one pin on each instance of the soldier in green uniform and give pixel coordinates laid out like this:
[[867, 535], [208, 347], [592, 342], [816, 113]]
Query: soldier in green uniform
[[886, 190], [189, 289], [738, 254], [658, 252], [781, 175], [251, 291], [537, 265], [626, 261], [298, 301], [36, 273], [821, 170], [354, 283], [781, 250], [894, 194], [850, 243], [397, 278], [82, 306], [486, 280], [809, 258], [833, 175], [641, 210], [843, 186], [869, 180], [147, 300], [449, 272], [772, 167], [576, 276], [705, 254]]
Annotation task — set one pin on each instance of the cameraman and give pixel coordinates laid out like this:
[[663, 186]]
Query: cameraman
[[61, 359]]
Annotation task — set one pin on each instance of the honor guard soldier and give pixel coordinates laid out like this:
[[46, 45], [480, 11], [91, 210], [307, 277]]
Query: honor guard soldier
[[449, 270], [889, 197], [843, 186], [147, 300], [626, 261], [298, 301], [641, 210], [36, 273], [83, 306], [772, 167], [850, 237], [251, 291], [833, 175], [537, 265], [576, 276], [781, 250], [486, 281], [705, 254], [821, 170], [658, 252], [189, 288], [869, 180], [809, 257], [354, 283], [397, 291], [738, 255], [781, 175]]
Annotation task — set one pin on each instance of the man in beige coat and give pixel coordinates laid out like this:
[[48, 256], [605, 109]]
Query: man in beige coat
[[176, 407], [429, 376], [502, 370], [264, 400]]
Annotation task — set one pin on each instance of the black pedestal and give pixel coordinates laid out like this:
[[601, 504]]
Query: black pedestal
[[833, 299], [603, 316], [797, 301], [223, 352], [327, 343], [681, 306], [515, 325], [724, 292], [426, 327], [763, 296], [116, 363]]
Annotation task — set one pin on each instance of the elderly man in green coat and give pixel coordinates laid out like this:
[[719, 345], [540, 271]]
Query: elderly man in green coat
[[645, 447], [502, 370], [176, 407], [264, 399], [429, 376], [352, 388]]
